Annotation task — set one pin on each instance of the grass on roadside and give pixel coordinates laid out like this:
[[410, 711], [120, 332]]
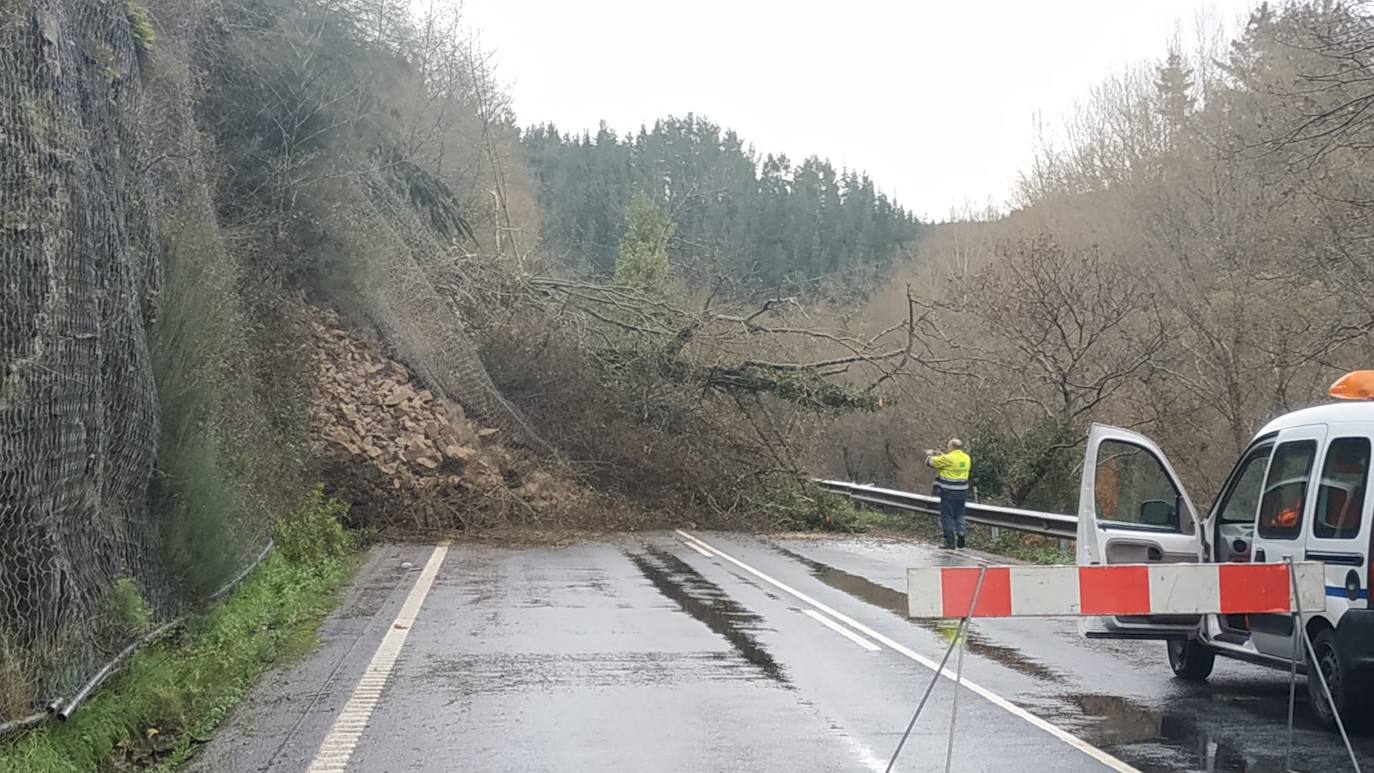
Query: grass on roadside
[[171, 696], [1022, 547]]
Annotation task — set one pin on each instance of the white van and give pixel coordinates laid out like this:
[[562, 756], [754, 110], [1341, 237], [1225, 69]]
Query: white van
[[1299, 491]]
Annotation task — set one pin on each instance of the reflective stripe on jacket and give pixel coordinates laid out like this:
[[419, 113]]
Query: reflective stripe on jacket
[[953, 467]]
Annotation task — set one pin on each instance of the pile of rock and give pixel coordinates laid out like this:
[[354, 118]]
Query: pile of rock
[[404, 456]]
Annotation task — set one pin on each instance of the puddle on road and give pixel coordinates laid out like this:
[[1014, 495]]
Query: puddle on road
[[705, 601], [894, 601], [1154, 739]]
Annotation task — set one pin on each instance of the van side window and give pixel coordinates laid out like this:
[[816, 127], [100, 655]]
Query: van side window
[[1340, 502], [1285, 490], [1242, 499]]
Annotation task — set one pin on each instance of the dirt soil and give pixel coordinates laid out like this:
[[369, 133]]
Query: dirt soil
[[409, 461]]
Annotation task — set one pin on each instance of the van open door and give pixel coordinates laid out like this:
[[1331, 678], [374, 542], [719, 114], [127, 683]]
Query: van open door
[[1132, 509]]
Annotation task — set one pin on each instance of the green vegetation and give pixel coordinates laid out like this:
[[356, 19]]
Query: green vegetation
[[171, 696], [1031, 465], [131, 609], [141, 25], [806, 507], [221, 467], [315, 536], [643, 257], [805, 388]]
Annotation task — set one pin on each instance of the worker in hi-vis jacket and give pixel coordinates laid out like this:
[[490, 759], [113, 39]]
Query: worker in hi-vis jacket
[[952, 484]]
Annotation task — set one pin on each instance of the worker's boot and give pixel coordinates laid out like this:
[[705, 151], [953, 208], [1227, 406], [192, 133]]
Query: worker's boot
[[949, 543], [961, 540]]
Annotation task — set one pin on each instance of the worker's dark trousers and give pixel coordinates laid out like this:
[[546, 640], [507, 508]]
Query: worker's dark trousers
[[952, 513]]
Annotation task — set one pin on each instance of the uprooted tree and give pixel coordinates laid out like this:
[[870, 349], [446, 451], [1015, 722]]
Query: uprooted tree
[[695, 397]]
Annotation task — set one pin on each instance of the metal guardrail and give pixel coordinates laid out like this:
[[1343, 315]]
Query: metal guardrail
[[1030, 521]]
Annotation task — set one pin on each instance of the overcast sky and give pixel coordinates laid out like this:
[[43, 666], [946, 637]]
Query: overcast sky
[[936, 99]]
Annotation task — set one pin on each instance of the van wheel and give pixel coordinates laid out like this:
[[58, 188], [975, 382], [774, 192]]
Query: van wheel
[[1337, 679], [1191, 659]]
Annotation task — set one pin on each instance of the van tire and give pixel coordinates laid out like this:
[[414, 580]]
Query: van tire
[[1191, 660], [1344, 692]]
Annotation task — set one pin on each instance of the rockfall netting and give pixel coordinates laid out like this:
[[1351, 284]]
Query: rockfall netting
[[396, 257], [117, 326], [78, 404]]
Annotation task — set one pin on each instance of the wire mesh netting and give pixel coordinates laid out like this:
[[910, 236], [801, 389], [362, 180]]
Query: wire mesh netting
[[78, 408], [395, 254], [419, 322], [83, 560]]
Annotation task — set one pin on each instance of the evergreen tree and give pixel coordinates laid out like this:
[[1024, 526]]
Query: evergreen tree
[[642, 260], [1174, 84], [765, 219]]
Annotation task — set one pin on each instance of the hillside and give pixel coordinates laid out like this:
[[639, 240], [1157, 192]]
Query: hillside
[[763, 218], [252, 245], [249, 245]]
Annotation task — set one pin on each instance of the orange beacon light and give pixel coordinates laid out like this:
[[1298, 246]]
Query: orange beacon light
[[1355, 385]]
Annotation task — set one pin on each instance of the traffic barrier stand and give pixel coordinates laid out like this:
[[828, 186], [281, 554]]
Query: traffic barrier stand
[[957, 641], [966, 592], [1314, 668]]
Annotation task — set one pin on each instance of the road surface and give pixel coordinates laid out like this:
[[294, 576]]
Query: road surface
[[732, 653]]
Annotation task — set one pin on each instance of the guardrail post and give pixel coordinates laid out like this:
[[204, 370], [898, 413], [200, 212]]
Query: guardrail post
[[996, 530]]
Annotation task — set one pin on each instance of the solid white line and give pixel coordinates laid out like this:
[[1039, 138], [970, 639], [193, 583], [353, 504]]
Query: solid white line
[[338, 747], [697, 548], [841, 630], [985, 693]]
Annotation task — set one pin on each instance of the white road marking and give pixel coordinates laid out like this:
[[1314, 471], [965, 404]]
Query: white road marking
[[992, 697], [866, 756], [339, 745], [841, 630], [698, 548]]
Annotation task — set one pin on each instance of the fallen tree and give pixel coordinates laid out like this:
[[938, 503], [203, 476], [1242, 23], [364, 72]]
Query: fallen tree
[[706, 401]]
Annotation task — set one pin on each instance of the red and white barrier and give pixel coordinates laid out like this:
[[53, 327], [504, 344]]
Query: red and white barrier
[[1123, 589]]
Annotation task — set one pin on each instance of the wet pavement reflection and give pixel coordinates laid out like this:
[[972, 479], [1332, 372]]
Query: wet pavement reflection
[[706, 602], [895, 601]]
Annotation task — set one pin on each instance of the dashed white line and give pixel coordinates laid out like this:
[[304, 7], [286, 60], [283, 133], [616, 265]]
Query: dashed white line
[[841, 630], [339, 745], [992, 697]]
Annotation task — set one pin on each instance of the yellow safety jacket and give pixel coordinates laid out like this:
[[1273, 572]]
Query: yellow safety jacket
[[953, 467]]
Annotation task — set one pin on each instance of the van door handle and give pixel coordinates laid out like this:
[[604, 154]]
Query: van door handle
[[1154, 554], [1259, 555]]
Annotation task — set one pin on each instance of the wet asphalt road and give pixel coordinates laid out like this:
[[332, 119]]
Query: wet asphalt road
[[642, 654]]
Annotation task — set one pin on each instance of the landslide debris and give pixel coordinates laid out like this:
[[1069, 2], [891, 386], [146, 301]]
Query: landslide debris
[[406, 458]]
